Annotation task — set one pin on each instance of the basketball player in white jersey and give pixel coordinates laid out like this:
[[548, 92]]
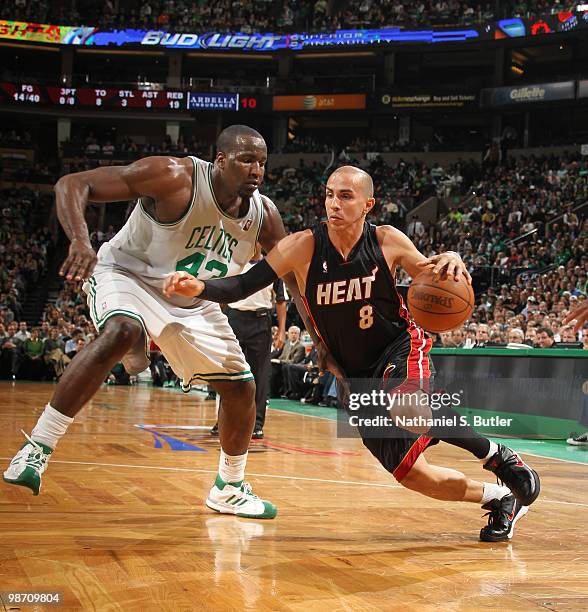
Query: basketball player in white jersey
[[200, 217]]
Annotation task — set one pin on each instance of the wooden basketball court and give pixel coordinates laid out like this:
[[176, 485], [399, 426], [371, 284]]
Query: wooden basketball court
[[121, 525]]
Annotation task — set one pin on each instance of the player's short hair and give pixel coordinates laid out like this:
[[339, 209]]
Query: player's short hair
[[228, 139], [367, 182]]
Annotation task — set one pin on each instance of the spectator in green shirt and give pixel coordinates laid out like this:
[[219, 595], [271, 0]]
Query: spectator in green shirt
[[33, 366]]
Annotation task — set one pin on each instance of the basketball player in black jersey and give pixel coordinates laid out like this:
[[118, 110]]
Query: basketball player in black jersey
[[345, 270]]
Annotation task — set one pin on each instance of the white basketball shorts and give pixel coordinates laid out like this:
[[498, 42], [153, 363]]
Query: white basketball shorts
[[198, 342]]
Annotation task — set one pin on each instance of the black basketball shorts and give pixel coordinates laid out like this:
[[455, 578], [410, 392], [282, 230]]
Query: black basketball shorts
[[405, 366]]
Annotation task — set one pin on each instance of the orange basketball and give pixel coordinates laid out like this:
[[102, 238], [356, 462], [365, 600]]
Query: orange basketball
[[442, 305]]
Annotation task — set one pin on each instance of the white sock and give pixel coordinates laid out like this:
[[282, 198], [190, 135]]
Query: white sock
[[493, 491], [231, 468], [493, 450], [50, 427]]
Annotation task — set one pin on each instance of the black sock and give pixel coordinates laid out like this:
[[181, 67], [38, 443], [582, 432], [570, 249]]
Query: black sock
[[458, 434], [476, 444]]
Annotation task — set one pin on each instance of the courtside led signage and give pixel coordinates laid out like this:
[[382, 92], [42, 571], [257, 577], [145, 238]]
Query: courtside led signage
[[563, 21]]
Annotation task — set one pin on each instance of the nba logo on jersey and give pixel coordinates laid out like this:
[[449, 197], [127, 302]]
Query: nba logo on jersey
[[247, 224], [325, 268]]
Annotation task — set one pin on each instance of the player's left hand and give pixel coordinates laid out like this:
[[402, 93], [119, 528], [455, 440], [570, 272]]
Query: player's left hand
[[182, 283], [80, 261], [449, 264]]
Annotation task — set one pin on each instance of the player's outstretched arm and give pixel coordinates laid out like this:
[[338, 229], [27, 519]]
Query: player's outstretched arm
[[279, 262], [159, 178], [399, 250]]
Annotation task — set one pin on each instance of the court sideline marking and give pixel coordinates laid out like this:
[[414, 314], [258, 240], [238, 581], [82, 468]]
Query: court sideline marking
[[205, 471], [278, 476]]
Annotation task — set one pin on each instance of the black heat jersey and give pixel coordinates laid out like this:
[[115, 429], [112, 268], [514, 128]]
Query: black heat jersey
[[354, 303]]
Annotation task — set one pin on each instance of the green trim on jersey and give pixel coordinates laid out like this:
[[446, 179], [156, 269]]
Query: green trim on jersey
[[92, 296], [222, 212], [260, 223], [100, 321], [194, 191], [222, 377]]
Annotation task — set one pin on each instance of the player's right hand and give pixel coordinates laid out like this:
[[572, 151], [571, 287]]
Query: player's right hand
[[579, 314], [80, 261], [182, 283]]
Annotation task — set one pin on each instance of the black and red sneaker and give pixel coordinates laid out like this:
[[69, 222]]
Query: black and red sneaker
[[502, 517], [515, 474]]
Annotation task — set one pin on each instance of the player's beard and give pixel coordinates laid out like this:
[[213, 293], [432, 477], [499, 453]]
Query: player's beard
[[246, 192]]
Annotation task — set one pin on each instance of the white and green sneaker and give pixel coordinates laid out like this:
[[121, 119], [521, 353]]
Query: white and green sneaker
[[28, 465], [238, 498]]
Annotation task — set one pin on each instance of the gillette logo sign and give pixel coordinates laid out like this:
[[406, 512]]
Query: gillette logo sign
[[211, 40], [527, 93], [541, 92]]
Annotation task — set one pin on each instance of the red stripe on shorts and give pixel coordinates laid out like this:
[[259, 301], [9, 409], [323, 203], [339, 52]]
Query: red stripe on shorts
[[417, 365], [417, 448], [417, 362]]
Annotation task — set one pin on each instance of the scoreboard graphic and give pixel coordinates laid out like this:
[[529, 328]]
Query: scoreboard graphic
[[120, 98]]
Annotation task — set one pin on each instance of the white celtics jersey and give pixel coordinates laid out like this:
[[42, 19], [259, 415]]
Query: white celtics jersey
[[206, 241]]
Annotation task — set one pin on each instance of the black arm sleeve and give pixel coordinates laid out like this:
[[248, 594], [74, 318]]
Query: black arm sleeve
[[234, 288]]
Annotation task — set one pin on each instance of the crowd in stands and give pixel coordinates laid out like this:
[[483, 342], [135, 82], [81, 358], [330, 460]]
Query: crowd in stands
[[27, 172], [248, 16], [299, 191], [25, 246], [15, 137], [380, 13], [306, 145], [92, 147], [16, 164], [25, 242], [442, 139], [521, 233]]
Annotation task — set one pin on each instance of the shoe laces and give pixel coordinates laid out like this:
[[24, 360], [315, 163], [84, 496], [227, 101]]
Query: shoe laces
[[36, 458], [497, 512], [494, 513], [247, 489]]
